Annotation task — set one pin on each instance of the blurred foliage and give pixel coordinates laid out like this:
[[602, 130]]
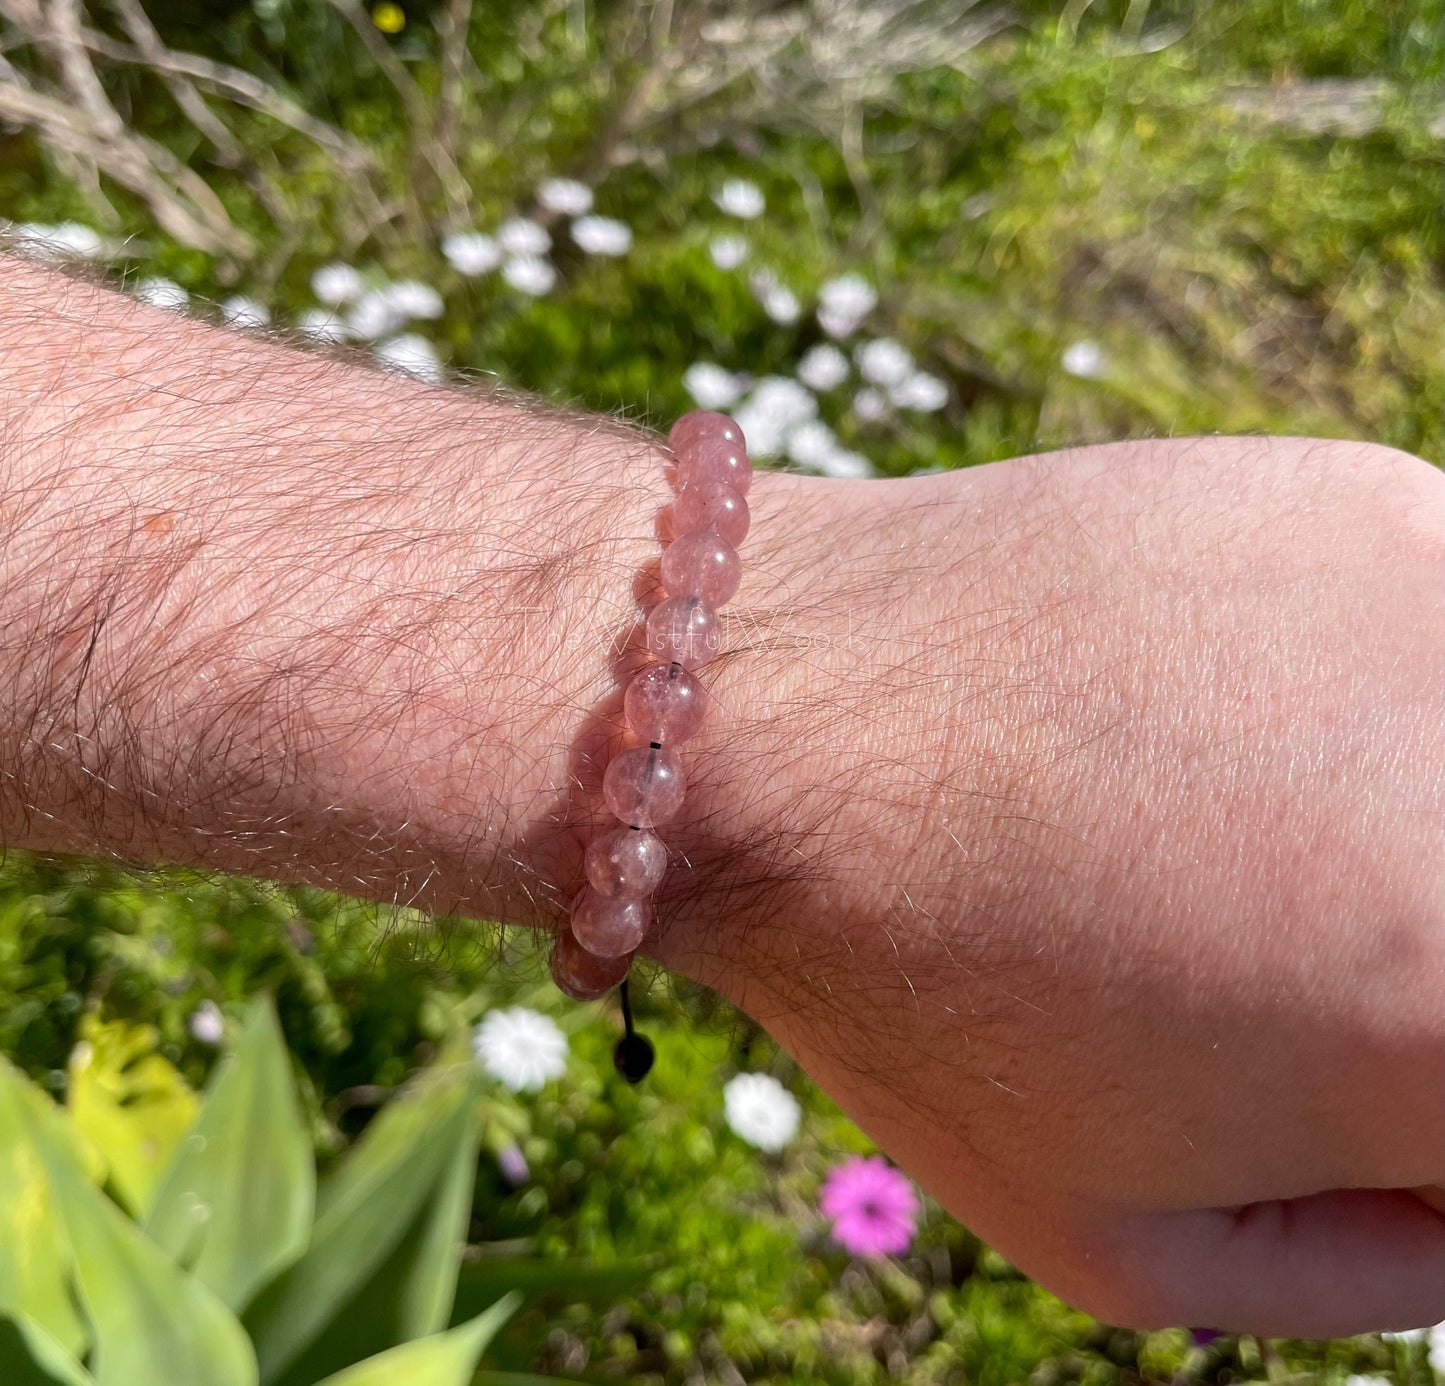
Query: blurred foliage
[[1237, 203], [349, 1282], [129, 1102]]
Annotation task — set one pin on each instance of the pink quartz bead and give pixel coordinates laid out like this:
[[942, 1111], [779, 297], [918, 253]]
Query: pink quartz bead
[[711, 505], [702, 564], [712, 459], [700, 424], [684, 629], [625, 864], [582, 975], [643, 786], [665, 705], [609, 928]]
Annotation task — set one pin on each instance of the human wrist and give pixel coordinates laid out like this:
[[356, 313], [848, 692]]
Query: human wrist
[[819, 812]]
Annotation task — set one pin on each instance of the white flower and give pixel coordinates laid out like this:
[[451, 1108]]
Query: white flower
[[410, 354], [374, 315], [206, 1023], [471, 252], [921, 391], [78, 241], [711, 386], [68, 241], [34, 236], [775, 405], [337, 284], [728, 252], [565, 196], [530, 274], [870, 405], [1367, 1381], [811, 443], [781, 304], [521, 1049], [845, 464], [823, 367], [784, 399], [837, 325], [1084, 359], [413, 299], [602, 235], [518, 236], [850, 294], [761, 1110], [1435, 1352], [1436, 1355], [883, 362], [764, 436], [162, 293], [740, 198], [240, 311], [843, 303], [322, 325]]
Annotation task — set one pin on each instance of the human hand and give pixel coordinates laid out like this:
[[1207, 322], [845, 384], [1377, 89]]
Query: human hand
[[1076, 822]]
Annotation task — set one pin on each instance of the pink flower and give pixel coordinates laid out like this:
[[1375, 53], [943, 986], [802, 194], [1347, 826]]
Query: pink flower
[[872, 1207], [513, 1165]]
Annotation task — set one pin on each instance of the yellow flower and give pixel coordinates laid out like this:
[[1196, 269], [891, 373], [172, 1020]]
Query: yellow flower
[[389, 18]]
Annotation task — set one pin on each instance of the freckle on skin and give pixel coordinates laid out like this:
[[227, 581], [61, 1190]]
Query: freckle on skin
[[162, 523]]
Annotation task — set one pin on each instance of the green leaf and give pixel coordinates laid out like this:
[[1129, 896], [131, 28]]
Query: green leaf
[[31, 1357], [130, 1103], [381, 1268], [444, 1359], [149, 1320], [237, 1202], [34, 1250]]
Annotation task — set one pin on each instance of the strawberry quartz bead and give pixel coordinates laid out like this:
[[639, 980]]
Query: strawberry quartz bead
[[684, 630], [582, 975], [698, 426], [702, 564], [711, 505], [664, 705], [714, 459], [609, 928], [643, 786], [625, 864]]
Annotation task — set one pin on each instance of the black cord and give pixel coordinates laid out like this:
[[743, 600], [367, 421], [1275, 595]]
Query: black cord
[[634, 1053]]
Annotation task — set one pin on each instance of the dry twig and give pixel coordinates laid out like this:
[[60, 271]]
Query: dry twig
[[419, 119]]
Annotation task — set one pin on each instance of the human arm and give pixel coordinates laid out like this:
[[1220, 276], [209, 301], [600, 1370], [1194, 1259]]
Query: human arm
[[1067, 818], [270, 612]]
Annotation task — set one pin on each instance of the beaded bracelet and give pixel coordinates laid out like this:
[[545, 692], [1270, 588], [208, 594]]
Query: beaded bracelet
[[664, 706]]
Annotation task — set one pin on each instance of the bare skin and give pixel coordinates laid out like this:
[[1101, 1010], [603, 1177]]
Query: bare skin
[[1076, 821], [1138, 912]]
